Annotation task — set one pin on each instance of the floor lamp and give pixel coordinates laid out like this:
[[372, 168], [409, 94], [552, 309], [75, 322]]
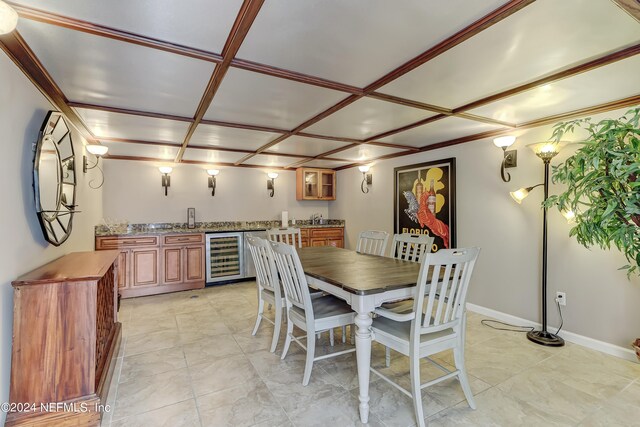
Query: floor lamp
[[546, 151]]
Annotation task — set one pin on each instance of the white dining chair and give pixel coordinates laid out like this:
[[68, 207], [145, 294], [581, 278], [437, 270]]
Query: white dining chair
[[269, 289], [290, 236], [411, 247], [419, 335], [372, 242], [312, 315]]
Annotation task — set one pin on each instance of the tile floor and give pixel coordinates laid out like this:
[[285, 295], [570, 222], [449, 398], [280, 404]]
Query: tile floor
[[188, 359]]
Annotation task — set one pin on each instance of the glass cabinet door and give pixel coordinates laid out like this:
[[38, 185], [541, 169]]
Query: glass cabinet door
[[327, 185], [311, 184]]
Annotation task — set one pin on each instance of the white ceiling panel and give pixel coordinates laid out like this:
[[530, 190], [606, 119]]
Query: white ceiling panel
[[116, 125], [222, 136], [246, 97], [142, 150], [610, 83], [306, 146], [355, 41], [367, 117], [439, 131], [543, 37], [97, 70], [207, 28], [273, 161], [324, 164], [212, 156], [365, 152]]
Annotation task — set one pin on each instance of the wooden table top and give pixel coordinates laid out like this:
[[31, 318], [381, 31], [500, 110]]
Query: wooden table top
[[357, 273]]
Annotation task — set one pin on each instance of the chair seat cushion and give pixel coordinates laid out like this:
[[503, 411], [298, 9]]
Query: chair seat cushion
[[402, 330], [326, 306]]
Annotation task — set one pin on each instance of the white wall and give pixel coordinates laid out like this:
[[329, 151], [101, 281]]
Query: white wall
[[132, 192], [22, 248], [601, 302]]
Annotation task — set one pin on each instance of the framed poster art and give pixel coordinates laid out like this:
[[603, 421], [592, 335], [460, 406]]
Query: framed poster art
[[425, 201]]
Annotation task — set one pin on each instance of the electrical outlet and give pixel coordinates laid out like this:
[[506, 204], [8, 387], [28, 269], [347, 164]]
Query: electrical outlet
[[561, 297]]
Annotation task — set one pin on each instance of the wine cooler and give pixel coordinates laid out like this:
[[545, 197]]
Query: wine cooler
[[225, 257]]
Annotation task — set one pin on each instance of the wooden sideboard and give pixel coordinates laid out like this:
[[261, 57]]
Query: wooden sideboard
[[65, 340], [156, 264], [333, 236]]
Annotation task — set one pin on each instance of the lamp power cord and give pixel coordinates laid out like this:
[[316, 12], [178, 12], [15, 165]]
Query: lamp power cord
[[518, 328]]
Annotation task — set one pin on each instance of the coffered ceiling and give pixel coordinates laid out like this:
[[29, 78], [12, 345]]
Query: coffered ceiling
[[332, 83]]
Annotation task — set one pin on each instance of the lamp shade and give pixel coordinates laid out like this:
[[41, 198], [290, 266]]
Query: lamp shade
[[97, 149], [570, 216], [8, 18], [213, 172], [165, 169], [504, 141], [546, 150], [364, 168], [272, 175], [519, 195]]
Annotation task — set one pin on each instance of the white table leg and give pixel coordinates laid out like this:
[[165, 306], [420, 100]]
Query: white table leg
[[363, 354]]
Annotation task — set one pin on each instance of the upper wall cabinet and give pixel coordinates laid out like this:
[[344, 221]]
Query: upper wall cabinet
[[315, 184]]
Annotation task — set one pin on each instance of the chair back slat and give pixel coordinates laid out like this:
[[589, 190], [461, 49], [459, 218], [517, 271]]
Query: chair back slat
[[266, 273], [372, 242], [411, 247], [442, 288], [288, 236], [294, 282]]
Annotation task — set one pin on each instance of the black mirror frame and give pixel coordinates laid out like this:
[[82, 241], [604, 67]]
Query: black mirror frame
[[47, 218]]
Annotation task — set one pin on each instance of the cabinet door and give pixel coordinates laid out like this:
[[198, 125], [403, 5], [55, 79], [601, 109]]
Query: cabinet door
[[194, 263], [338, 242], [172, 265], [123, 269], [311, 185], [144, 267], [321, 241], [328, 180]]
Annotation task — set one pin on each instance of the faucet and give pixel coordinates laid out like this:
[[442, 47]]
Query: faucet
[[315, 218]]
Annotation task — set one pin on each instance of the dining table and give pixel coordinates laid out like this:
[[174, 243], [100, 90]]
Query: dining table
[[365, 282]]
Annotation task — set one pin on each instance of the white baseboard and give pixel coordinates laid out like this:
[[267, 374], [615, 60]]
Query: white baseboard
[[604, 347]]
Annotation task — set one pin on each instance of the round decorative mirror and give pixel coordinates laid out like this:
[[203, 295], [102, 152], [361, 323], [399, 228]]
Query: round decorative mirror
[[54, 179]]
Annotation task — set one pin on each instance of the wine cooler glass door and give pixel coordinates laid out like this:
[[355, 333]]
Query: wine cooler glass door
[[225, 256]]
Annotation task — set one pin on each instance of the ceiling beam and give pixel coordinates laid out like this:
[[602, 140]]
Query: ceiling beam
[[192, 162], [112, 33], [478, 26], [247, 14], [596, 109], [632, 7], [17, 49], [129, 112]]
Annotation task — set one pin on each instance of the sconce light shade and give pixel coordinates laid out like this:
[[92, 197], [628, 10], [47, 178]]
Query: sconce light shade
[[271, 183], [520, 194], [504, 141], [366, 178], [8, 18], [364, 168], [97, 149], [212, 180], [165, 169], [546, 150]]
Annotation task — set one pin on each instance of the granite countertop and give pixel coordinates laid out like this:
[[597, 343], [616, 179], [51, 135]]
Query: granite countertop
[[204, 227]]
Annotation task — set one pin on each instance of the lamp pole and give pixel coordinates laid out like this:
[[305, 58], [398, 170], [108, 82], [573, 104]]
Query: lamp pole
[[545, 337]]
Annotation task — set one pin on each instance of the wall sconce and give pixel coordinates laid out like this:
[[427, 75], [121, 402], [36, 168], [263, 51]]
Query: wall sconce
[[98, 151], [166, 179], [367, 178], [545, 151], [212, 180], [271, 183], [8, 18], [509, 158]]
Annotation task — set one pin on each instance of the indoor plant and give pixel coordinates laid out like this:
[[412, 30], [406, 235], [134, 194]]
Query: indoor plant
[[603, 185]]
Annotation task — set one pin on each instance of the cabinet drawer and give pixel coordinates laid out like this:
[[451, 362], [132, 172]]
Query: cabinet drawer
[[304, 233], [115, 242], [326, 232], [181, 239]]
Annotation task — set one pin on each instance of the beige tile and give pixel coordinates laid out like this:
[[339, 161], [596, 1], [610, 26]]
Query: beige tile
[[151, 342], [149, 393], [243, 405], [341, 411], [260, 341], [267, 363], [183, 414], [287, 387], [190, 302], [394, 408], [621, 410], [152, 363], [154, 323], [211, 348], [221, 374]]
